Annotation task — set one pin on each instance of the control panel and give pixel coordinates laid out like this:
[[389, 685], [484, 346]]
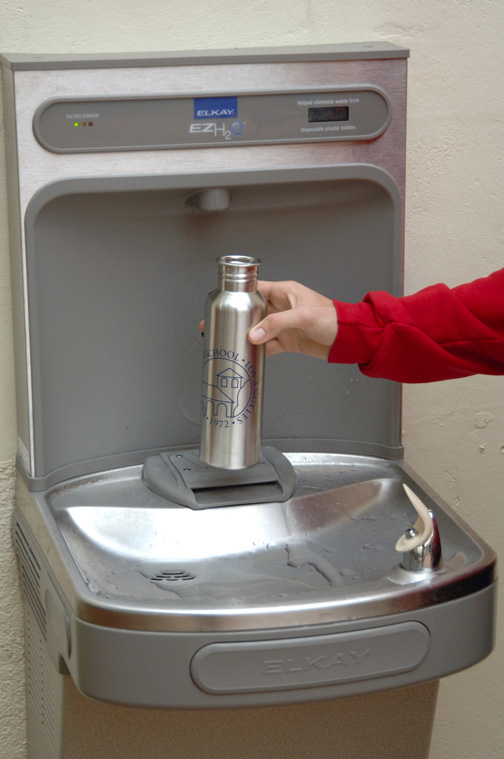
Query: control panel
[[66, 125]]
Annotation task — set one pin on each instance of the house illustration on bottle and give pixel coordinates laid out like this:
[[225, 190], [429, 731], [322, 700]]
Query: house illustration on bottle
[[224, 394]]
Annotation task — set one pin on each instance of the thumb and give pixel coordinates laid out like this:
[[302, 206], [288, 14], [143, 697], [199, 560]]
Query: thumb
[[271, 326], [258, 334], [267, 329]]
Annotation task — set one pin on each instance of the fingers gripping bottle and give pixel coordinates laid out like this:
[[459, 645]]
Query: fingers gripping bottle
[[233, 368]]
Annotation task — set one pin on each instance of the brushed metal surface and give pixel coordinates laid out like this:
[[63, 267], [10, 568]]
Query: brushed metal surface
[[38, 167]]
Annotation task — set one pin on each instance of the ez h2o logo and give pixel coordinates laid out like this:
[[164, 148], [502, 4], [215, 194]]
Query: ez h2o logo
[[229, 391], [211, 127]]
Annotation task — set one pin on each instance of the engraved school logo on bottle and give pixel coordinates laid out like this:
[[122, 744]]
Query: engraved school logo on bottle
[[229, 388]]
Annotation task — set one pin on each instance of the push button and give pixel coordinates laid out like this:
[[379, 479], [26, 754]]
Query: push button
[[224, 668]]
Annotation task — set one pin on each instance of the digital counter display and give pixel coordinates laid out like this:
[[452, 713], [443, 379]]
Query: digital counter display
[[337, 113]]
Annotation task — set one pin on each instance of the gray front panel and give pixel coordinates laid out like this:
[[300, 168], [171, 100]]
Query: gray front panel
[[150, 123], [117, 282]]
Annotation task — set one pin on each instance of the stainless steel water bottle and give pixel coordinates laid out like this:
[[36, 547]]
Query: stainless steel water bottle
[[233, 368]]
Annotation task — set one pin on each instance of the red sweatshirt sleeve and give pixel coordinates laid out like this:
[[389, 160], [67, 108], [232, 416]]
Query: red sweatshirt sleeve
[[438, 333]]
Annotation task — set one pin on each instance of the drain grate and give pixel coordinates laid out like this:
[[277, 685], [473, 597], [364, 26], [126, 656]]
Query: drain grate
[[172, 576]]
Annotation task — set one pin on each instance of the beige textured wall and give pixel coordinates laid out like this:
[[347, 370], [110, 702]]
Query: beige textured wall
[[454, 432]]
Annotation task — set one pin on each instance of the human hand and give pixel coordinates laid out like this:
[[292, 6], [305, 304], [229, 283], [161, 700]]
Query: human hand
[[299, 320]]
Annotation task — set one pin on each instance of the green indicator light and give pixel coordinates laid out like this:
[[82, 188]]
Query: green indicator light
[[76, 123]]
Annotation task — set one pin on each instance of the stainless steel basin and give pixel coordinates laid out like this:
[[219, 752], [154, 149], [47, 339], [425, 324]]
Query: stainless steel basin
[[327, 554], [149, 603]]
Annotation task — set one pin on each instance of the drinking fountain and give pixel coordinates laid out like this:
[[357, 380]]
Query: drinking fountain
[[156, 576]]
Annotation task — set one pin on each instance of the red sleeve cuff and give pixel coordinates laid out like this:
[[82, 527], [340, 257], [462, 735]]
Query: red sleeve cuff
[[359, 334]]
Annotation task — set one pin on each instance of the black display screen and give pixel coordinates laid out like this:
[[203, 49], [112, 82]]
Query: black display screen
[[333, 113]]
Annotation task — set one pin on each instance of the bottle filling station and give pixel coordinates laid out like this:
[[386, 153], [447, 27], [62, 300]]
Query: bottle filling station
[[146, 582]]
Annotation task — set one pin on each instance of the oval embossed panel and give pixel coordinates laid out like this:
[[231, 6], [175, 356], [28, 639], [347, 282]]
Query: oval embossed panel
[[307, 662]]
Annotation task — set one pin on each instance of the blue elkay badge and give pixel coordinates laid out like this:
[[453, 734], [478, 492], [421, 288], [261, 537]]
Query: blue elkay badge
[[216, 108]]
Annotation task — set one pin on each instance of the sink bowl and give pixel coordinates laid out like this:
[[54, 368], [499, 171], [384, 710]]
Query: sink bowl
[[147, 602], [328, 553]]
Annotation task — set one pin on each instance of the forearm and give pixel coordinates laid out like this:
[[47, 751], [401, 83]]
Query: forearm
[[435, 334]]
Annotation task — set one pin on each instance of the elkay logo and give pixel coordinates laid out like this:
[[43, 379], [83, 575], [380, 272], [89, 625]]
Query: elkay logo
[[216, 108]]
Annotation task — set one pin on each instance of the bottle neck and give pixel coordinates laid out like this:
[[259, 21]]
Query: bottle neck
[[238, 273]]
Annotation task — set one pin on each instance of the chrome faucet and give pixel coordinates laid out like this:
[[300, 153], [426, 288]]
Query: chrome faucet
[[420, 545]]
